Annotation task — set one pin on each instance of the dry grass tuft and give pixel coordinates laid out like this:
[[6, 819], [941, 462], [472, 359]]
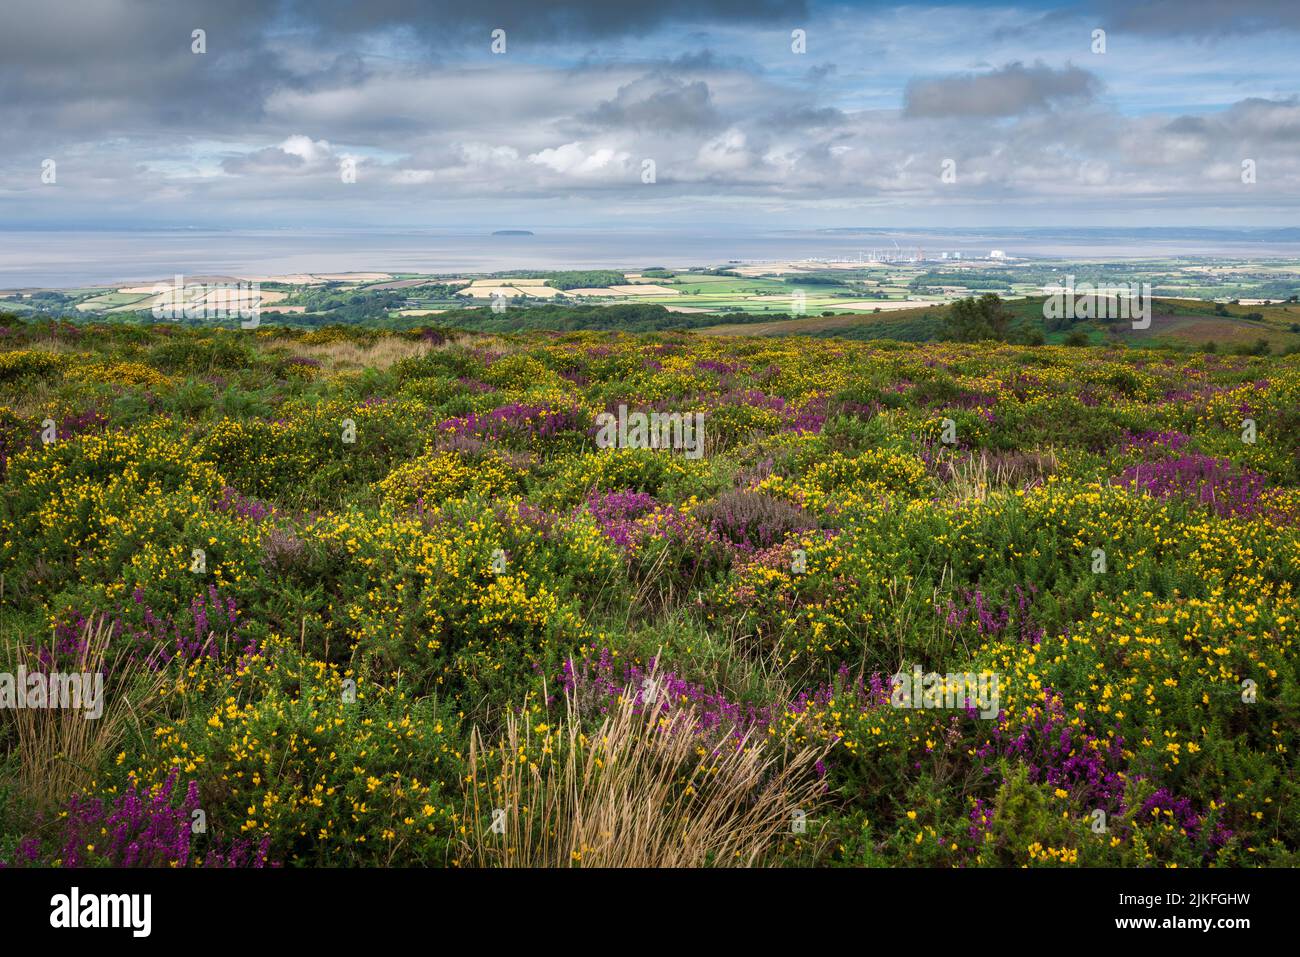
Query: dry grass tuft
[[385, 351], [60, 749], [643, 791], [345, 355], [971, 477]]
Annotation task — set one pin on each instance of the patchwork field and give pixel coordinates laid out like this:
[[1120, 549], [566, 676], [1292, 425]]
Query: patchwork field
[[1206, 302], [393, 599]]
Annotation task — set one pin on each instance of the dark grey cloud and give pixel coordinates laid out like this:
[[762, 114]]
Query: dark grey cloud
[[539, 22], [1266, 121], [94, 68], [113, 66], [1009, 91], [1165, 20], [1210, 18], [701, 60], [658, 102], [1187, 126], [1251, 124], [1192, 19]]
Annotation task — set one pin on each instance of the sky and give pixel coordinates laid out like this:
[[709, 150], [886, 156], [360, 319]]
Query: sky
[[735, 114]]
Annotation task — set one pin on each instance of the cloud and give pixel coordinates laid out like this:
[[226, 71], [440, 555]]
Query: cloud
[[82, 69], [658, 102], [805, 116], [1260, 120], [1009, 91], [296, 155], [1203, 18], [821, 71], [726, 153], [414, 176], [254, 130], [575, 160], [528, 21]]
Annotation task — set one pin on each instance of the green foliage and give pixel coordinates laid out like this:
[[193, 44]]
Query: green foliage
[[585, 279], [976, 319]]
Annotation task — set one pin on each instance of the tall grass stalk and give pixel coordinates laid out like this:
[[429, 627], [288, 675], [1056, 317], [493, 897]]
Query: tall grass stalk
[[645, 790]]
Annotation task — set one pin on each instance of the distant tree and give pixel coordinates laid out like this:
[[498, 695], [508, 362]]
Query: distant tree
[[975, 319], [1077, 337], [813, 281], [585, 279], [1260, 348]]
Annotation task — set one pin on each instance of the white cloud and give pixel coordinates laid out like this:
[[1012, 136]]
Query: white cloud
[[575, 160], [413, 176], [311, 152], [726, 153]]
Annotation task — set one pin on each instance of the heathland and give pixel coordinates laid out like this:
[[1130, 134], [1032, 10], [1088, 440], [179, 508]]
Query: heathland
[[365, 597]]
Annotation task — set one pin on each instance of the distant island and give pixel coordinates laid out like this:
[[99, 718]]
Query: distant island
[[513, 232]]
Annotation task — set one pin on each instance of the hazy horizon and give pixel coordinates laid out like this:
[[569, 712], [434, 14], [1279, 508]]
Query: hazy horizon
[[70, 258]]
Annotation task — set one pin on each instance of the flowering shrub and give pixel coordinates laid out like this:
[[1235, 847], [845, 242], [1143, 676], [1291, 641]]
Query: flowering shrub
[[751, 520], [437, 477], [141, 827], [1213, 482]]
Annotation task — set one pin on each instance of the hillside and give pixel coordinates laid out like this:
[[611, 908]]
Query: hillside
[[364, 597], [1178, 323]]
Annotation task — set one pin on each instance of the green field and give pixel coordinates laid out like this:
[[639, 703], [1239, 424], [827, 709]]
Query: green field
[[1198, 308]]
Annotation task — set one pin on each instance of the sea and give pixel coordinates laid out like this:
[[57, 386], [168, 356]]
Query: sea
[[77, 258]]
